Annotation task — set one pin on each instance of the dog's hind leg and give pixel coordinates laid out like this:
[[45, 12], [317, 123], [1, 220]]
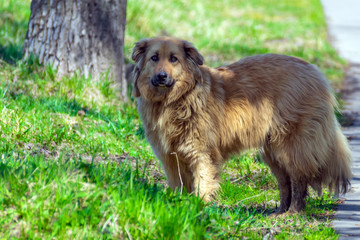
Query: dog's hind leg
[[299, 193], [283, 178], [296, 177]]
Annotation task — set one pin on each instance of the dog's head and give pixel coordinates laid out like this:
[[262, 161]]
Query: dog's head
[[166, 68]]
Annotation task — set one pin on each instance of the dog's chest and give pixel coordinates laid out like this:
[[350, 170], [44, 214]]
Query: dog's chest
[[157, 127]]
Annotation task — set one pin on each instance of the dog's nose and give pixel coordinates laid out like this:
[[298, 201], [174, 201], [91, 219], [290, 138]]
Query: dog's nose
[[162, 79], [161, 76]]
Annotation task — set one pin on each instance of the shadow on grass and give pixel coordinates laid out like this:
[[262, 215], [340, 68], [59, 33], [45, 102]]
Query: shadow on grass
[[11, 53], [320, 209], [265, 211]]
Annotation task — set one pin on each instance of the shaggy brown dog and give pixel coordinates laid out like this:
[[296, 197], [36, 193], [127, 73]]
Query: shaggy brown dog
[[195, 117]]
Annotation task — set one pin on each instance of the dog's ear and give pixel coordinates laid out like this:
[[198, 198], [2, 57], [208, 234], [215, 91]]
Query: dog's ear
[[192, 53], [137, 56], [139, 50], [135, 75]]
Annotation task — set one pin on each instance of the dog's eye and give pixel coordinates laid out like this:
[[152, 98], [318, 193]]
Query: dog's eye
[[155, 58], [173, 59]]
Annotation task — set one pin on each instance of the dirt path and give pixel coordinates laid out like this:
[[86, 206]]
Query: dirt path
[[343, 21]]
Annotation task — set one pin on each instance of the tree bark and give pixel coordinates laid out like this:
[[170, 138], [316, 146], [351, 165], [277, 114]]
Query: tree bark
[[85, 35]]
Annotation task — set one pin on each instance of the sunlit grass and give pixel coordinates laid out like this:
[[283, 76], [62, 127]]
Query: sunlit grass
[[225, 31]]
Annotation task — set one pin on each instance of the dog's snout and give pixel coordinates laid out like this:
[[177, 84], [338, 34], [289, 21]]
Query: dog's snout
[[162, 79], [161, 76]]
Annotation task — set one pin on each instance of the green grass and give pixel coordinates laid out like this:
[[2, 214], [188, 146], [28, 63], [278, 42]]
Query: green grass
[[74, 162]]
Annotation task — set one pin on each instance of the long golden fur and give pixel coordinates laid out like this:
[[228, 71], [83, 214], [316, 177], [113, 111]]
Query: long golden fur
[[196, 117]]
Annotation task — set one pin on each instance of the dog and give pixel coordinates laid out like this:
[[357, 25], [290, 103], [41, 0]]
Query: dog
[[195, 117]]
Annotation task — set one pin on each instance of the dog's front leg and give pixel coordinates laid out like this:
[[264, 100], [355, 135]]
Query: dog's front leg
[[177, 172], [206, 176]]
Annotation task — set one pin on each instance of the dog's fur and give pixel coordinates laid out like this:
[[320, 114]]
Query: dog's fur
[[279, 103]]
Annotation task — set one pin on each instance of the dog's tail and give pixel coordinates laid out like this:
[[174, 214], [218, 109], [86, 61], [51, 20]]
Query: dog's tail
[[339, 172]]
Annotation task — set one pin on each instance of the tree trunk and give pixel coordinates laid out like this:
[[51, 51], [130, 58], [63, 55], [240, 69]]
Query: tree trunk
[[85, 35]]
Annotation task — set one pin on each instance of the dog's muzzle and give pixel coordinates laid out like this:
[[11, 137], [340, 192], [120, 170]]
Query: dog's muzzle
[[162, 79]]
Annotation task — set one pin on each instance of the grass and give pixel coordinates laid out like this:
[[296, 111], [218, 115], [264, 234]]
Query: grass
[[74, 162], [14, 16]]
